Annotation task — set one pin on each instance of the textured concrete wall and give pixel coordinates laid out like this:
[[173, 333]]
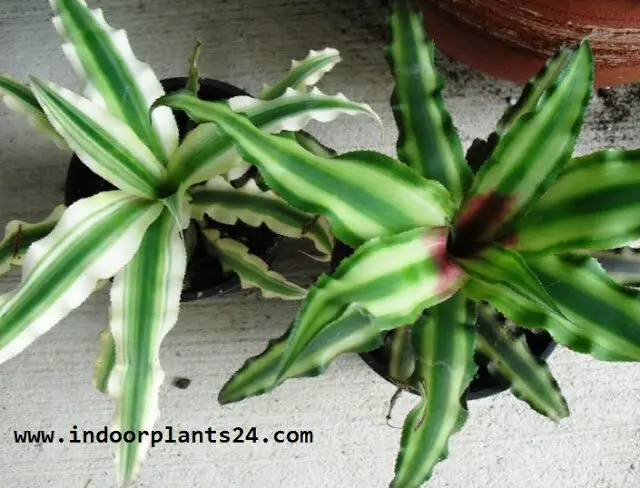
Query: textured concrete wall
[[248, 42]]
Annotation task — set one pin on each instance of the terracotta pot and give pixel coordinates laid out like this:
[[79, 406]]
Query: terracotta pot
[[512, 39]]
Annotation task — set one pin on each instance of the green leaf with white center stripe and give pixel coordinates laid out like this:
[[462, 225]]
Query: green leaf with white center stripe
[[116, 79], [444, 341], [593, 205], [19, 98], [204, 153], [428, 140], [102, 142], [536, 89], [19, 235], [392, 278], [226, 204], [93, 240], [357, 192], [529, 376], [353, 332], [304, 73], [105, 361], [252, 271], [499, 265], [529, 157], [145, 300]]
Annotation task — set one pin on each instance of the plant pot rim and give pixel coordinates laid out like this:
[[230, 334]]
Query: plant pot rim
[[270, 240]]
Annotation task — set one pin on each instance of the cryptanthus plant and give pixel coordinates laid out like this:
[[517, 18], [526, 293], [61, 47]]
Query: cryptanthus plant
[[135, 234], [440, 243]]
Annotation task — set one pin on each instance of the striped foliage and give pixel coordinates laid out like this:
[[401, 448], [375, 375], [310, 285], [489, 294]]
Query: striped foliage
[[593, 205], [428, 140], [227, 204], [444, 341], [354, 331], [510, 358], [205, 153], [19, 235], [304, 73], [19, 98], [252, 271], [94, 238], [357, 192], [145, 299], [114, 77], [529, 157], [104, 144]]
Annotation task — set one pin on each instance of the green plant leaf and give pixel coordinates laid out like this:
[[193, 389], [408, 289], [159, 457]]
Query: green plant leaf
[[19, 98], [19, 235], [252, 271], [402, 357], [605, 315], [499, 265], [145, 300], [357, 192], [428, 141], [105, 361], [93, 240], [304, 73], [226, 204], [444, 341], [392, 278], [353, 332], [528, 376], [529, 157], [205, 153], [115, 78], [536, 89], [193, 79], [102, 142], [593, 205]]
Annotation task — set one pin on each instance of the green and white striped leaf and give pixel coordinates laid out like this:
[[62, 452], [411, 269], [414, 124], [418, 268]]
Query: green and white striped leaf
[[116, 79], [357, 192], [606, 315], [499, 265], [529, 157], [528, 376], [19, 98], [428, 140], [304, 73], [105, 361], [93, 240], [311, 144], [204, 154], [193, 75], [444, 341], [226, 204], [19, 235], [536, 89], [593, 205], [102, 142], [145, 300], [252, 271], [353, 332], [393, 279]]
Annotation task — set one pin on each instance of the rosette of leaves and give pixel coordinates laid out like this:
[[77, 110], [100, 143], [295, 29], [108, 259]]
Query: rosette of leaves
[[437, 242], [134, 235]]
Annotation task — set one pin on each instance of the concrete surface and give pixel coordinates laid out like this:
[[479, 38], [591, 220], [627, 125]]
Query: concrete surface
[[248, 42]]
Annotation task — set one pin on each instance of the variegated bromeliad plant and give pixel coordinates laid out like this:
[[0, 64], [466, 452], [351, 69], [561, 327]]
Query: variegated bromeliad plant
[[440, 243], [134, 234]]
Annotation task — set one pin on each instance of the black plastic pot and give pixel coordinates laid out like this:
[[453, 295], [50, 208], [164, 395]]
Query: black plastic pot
[[483, 384], [205, 276]]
